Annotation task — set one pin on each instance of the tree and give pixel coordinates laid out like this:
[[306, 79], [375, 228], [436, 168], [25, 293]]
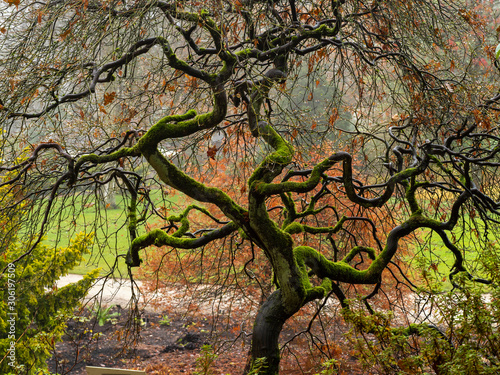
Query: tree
[[151, 95]]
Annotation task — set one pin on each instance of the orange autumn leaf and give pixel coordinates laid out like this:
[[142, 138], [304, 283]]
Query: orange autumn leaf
[[211, 152], [13, 2], [109, 98]]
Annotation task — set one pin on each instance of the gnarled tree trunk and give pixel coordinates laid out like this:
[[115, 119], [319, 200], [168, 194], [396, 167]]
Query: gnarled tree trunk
[[266, 331]]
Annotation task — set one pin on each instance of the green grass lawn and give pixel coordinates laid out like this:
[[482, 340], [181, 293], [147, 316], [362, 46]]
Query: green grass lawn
[[109, 225], [470, 242]]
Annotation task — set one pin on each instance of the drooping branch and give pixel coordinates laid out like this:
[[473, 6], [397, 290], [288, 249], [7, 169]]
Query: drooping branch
[[25, 165], [158, 237], [341, 271], [357, 250], [107, 70], [295, 227], [316, 176]]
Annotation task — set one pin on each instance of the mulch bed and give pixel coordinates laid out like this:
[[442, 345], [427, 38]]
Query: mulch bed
[[146, 344]]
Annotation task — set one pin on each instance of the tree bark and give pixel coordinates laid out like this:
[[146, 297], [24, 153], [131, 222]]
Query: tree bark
[[266, 331]]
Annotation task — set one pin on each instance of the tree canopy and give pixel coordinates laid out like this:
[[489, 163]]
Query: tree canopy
[[330, 137]]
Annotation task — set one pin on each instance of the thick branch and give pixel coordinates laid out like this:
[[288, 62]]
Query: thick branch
[[158, 237]]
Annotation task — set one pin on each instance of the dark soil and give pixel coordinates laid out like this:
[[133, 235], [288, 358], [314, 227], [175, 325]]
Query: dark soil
[[147, 342], [150, 342]]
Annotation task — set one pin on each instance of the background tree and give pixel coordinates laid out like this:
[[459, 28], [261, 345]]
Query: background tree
[[149, 95]]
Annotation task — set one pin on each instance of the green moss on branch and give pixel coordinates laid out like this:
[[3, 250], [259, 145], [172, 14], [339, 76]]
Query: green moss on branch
[[101, 159], [298, 187], [183, 219], [347, 179], [158, 237], [357, 250], [181, 65], [321, 291], [410, 195], [294, 228], [180, 181], [274, 163], [324, 268]]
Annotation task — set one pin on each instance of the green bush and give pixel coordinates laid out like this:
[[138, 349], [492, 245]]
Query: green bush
[[33, 312], [464, 340]]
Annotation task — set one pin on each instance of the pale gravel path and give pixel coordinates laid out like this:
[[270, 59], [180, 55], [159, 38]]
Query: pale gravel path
[[119, 292], [109, 292]]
